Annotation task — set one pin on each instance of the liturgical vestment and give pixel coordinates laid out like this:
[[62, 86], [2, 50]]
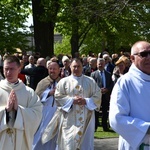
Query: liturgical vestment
[[129, 113], [18, 132], [77, 122]]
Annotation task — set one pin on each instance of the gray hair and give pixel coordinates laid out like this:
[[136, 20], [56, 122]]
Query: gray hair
[[100, 59]]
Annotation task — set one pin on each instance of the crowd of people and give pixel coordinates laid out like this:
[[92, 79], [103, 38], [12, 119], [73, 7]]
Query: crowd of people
[[55, 103]]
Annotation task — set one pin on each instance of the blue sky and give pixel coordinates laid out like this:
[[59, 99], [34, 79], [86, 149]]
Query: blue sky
[[29, 21]]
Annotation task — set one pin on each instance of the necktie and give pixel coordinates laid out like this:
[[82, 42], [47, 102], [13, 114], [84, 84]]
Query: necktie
[[101, 73], [54, 82]]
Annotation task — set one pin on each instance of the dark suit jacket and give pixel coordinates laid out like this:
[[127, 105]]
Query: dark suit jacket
[[110, 67], [36, 74], [88, 70], [109, 83], [62, 72]]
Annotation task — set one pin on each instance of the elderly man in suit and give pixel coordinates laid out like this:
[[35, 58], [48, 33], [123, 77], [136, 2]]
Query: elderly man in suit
[[104, 81], [36, 73]]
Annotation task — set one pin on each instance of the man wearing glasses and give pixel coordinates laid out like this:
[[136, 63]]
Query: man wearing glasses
[[129, 113]]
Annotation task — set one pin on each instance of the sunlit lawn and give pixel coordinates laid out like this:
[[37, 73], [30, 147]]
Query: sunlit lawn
[[101, 134]]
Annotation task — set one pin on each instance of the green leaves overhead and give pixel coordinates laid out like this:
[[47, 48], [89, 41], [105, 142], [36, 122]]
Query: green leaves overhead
[[13, 14], [105, 23], [88, 25]]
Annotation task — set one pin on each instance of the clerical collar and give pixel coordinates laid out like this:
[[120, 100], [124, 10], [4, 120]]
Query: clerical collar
[[14, 83], [76, 77]]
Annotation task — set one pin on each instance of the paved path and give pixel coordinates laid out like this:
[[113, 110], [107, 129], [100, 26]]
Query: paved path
[[106, 144]]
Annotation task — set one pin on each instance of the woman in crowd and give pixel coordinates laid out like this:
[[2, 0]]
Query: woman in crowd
[[119, 70]]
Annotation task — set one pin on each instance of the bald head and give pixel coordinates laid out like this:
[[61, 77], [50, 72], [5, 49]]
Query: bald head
[[139, 46], [93, 62], [140, 56], [41, 62]]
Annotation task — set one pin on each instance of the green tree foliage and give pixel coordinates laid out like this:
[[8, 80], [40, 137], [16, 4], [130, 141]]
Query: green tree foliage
[[12, 16], [86, 25], [99, 24], [63, 48]]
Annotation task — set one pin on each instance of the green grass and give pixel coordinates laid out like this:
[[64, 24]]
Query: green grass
[[101, 134]]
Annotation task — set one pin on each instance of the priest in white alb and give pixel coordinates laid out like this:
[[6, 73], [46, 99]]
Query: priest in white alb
[[129, 113], [20, 109]]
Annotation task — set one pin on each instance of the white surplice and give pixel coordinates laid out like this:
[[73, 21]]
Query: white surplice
[[48, 111], [77, 123], [18, 132], [129, 113]]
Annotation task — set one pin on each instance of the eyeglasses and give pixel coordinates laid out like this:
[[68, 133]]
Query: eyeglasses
[[143, 54]]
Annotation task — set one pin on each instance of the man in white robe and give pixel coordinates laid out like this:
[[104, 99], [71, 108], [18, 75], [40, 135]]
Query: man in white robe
[[77, 96], [45, 89], [20, 109], [129, 113]]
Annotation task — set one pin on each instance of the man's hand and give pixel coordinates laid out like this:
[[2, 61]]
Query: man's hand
[[12, 102], [51, 93], [79, 100], [15, 101], [104, 90]]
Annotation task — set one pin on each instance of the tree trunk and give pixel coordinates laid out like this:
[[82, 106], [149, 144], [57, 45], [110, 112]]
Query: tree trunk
[[43, 31], [74, 43], [75, 31]]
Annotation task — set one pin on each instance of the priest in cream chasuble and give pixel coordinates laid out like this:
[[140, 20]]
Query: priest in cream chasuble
[[77, 96]]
